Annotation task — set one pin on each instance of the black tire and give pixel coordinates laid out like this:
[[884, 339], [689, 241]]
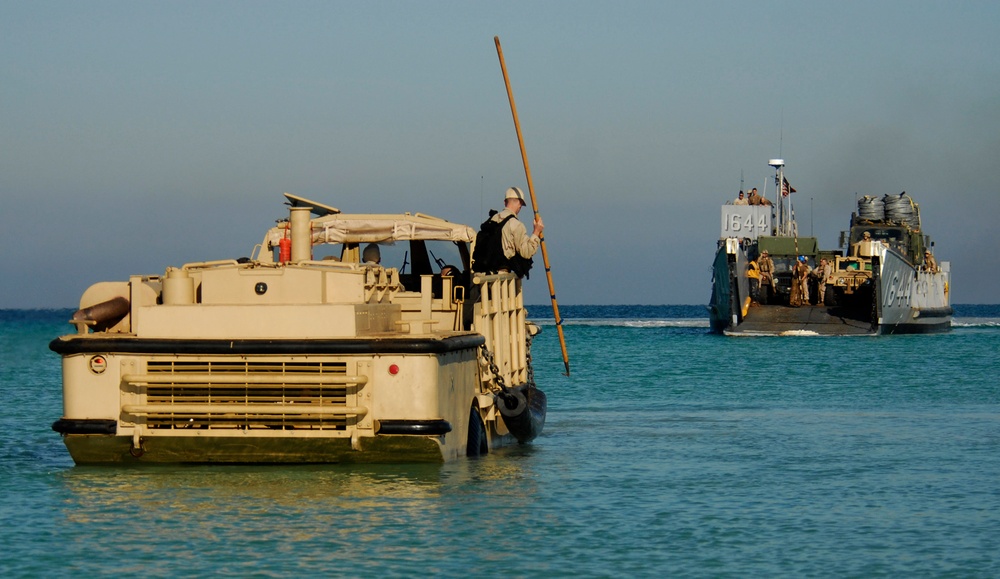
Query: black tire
[[830, 297], [477, 444]]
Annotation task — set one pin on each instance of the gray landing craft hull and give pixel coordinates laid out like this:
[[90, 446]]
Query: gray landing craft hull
[[906, 301]]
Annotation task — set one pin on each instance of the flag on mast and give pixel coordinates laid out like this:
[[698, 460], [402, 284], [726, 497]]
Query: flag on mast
[[786, 188]]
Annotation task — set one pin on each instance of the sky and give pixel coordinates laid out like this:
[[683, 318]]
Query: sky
[[136, 136]]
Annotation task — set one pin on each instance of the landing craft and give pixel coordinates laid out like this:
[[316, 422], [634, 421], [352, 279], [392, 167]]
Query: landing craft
[[883, 279]]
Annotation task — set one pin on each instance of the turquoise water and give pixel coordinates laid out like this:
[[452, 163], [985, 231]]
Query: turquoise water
[[668, 451]]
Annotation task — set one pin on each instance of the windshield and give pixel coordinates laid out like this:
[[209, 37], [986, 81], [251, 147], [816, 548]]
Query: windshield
[[883, 234], [409, 257]]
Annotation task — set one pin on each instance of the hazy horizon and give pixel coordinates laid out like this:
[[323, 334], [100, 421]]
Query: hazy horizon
[[138, 136]]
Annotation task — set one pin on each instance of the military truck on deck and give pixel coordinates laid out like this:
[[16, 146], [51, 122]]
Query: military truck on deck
[[895, 224]]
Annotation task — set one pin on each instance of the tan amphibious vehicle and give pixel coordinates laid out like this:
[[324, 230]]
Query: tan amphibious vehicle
[[305, 353]]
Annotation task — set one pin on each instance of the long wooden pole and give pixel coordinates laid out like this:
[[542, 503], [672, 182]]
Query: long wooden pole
[[534, 205]]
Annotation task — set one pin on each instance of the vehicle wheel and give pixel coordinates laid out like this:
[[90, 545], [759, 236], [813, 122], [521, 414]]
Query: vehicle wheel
[[830, 297], [477, 444]]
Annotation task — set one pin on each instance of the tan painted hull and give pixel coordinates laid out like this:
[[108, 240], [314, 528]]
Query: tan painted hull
[[296, 362]]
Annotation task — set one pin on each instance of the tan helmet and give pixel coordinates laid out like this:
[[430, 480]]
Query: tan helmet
[[515, 193]]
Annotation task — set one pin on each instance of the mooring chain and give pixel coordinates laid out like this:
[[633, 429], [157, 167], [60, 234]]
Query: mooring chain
[[498, 384]]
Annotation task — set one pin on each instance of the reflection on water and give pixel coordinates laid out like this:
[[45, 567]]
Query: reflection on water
[[324, 514], [289, 487], [281, 485]]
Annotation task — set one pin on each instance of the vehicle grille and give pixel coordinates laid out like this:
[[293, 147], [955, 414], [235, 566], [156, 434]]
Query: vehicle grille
[[248, 395]]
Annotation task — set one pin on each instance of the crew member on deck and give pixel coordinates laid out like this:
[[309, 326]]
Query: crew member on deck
[[753, 275], [756, 199], [803, 272], [929, 262], [766, 266], [821, 273], [800, 283], [741, 200]]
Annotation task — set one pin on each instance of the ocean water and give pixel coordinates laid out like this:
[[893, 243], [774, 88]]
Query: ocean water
[[667, 452]]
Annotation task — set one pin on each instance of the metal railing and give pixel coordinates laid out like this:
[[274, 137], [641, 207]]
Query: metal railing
[[500, 317]]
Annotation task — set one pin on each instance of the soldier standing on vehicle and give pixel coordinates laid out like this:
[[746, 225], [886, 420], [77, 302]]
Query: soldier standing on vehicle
[[856, 246], [516, 241], [503, 244]]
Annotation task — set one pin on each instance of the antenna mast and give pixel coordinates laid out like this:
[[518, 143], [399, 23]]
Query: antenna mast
[[779, 176]]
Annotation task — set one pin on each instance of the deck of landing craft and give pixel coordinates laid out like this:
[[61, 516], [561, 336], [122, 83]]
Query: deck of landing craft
[[805, 320]]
